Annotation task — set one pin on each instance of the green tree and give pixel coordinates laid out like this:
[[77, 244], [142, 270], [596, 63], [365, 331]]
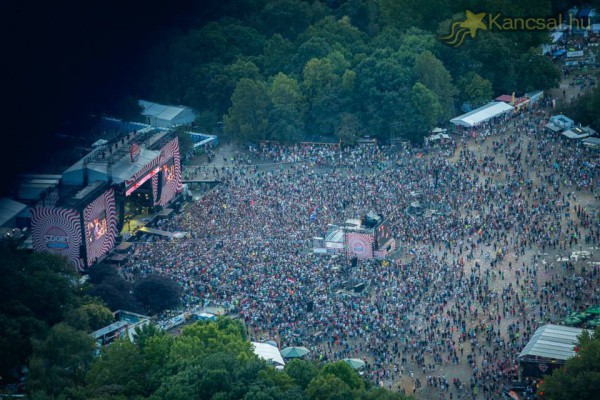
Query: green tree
[[585, 109], [383, 87], [362, 13], [329, 387], [110, 286], [429, 111], [536, 72], [319, 75], [323, 91], [37, 289], [247, 118], [60, 361], [302, 371], [157, 293], [276, 55], [431, 72], [290, 17], [400, 14], [474, 89], [580, 377], [89, 317], [120, 369], [287, 115], [349, 129], [206, 121], [340, 34], [345, 372], [221, 86], [379, 393]]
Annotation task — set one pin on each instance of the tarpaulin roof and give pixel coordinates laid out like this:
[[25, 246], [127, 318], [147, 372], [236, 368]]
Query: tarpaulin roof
[[553, 341]]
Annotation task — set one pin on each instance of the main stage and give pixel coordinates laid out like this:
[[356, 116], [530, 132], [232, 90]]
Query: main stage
[[137, 172]]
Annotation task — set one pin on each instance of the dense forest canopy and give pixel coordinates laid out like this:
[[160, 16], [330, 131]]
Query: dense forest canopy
[[343, 67], [290, 70]]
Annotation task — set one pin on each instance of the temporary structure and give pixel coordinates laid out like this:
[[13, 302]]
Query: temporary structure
[[355, 363], [294, 352]]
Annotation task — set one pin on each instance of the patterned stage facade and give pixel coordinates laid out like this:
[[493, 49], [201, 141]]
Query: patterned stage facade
[[81, 217]]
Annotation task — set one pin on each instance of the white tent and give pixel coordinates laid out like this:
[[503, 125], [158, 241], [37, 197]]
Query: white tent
[[482, 114], [269, 353], [439, 136]]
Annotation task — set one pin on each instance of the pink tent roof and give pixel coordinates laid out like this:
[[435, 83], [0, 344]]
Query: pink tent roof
[[505, 98]]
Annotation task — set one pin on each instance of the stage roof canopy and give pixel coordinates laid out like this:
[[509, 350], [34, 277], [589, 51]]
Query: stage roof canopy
[[552, 341], [482, 114], [116, 165]]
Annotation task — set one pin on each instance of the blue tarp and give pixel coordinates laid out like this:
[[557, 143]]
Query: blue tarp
[[559, 53]]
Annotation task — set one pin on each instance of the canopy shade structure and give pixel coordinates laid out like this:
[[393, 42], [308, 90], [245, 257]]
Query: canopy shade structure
[[355, 363], [552, 341], [482, 114], [294, 352]]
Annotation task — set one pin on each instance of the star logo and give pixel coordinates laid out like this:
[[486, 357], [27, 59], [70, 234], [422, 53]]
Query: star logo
[[460, 29], [473, 22]]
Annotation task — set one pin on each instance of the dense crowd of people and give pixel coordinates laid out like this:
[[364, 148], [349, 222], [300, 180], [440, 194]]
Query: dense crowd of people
[[452, 309]]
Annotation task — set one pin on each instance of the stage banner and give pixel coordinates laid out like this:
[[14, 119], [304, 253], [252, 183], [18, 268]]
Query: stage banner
[[359, 245], [171, 172], [57, 231], [100, 219]]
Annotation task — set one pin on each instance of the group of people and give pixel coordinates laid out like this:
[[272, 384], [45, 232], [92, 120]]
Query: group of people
[[449, 312]]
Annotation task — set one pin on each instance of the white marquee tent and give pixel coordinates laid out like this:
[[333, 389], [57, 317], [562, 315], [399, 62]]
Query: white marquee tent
[[482, 114], [269, 353]]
